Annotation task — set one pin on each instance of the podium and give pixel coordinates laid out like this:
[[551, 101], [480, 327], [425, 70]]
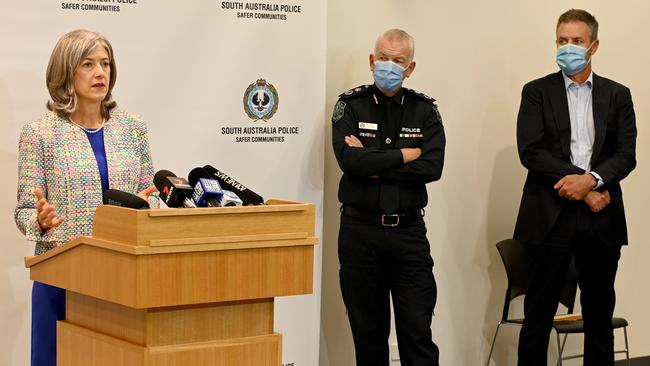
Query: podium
[[177, 287]]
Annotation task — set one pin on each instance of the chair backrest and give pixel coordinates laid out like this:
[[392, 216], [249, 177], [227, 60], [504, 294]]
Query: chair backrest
[[513, 255]]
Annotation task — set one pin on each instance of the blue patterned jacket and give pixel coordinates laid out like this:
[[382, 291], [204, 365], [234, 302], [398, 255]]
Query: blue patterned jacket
[[56, 156]]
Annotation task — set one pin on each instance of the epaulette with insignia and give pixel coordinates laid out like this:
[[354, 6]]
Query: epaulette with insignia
[[420, 95], [428, 99], [355, 91]]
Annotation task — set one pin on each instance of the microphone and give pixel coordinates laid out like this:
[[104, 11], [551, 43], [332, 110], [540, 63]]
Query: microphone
[[247, 196], [174, 191], [116, 197], [207, 191], [229, 199]]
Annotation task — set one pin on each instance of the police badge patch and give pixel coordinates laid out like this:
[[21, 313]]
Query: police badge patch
[[261, 100], [339, 110]]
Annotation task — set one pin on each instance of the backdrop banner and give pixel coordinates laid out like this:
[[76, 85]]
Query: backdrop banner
[[234, 84]]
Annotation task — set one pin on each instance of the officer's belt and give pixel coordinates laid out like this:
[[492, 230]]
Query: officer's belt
[[398, 219]]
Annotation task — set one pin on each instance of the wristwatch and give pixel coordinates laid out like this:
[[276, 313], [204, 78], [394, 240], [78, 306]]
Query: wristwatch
[[599, 180]]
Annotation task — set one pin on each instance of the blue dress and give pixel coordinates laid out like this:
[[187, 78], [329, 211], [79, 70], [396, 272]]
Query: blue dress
[[48, 302]]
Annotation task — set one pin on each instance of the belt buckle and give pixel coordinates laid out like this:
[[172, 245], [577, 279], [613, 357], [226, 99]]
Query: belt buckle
[[393, 220]]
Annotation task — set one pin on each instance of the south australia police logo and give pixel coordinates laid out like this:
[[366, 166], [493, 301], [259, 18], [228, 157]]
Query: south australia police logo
[[261, 100]]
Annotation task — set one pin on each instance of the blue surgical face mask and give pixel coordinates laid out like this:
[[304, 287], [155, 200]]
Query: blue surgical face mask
[[388, 75], [572, 59]]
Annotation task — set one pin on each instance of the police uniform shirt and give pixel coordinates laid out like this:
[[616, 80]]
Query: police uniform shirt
[[385, 125]]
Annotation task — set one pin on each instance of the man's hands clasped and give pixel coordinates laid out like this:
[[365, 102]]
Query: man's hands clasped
[[578, 187]]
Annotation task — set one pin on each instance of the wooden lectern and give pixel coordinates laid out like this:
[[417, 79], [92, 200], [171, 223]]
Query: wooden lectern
[[180, 287]]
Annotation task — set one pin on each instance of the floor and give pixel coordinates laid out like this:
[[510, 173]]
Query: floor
[[637, 361]]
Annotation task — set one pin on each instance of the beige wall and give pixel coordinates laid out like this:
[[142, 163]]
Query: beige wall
[[474, 57]]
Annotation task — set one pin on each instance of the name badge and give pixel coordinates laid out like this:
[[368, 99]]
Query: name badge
[[368, 126]]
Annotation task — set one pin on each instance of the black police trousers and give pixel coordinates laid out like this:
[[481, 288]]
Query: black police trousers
[[378, 262]]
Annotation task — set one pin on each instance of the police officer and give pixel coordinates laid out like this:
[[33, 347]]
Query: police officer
[[389, 142]]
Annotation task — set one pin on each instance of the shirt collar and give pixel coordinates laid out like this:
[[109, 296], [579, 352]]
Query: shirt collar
[[568, 82], [380, 97]]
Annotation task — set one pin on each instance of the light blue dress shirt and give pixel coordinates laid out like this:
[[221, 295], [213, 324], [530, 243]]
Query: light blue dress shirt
[[581, 115]]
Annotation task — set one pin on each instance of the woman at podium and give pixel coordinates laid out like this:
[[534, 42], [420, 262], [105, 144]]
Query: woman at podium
[[83, 146]]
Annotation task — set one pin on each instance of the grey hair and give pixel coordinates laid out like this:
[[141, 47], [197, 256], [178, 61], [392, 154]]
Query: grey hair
[[68, 54], [398, 35]]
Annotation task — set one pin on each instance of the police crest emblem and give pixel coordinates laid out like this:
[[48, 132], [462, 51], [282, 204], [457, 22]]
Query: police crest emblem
[[339, 110], [260, 100]]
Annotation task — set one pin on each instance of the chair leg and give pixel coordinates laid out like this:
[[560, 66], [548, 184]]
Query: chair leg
[[560, 348], [563, 344], [627, 349], [494, 339]]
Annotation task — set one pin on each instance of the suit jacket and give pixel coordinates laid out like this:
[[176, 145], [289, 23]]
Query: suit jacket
[[543, 140], [56, 156]]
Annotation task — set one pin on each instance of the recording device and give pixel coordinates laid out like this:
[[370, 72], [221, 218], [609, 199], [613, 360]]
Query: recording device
[[174, 191], [207, 191], [247, 196], [229, 199], [116, 197]]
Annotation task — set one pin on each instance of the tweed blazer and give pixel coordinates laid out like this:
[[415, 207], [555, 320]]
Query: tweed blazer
[[56, 156]]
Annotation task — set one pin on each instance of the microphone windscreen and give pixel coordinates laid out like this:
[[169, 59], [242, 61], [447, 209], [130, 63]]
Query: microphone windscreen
[[197, 173], [123, 199], [159, 178], [227, 183]]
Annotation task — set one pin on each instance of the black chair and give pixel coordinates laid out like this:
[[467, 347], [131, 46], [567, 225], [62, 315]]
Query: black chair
[[513, 255]]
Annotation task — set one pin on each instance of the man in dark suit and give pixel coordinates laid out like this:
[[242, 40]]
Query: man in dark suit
[[576, 135]]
